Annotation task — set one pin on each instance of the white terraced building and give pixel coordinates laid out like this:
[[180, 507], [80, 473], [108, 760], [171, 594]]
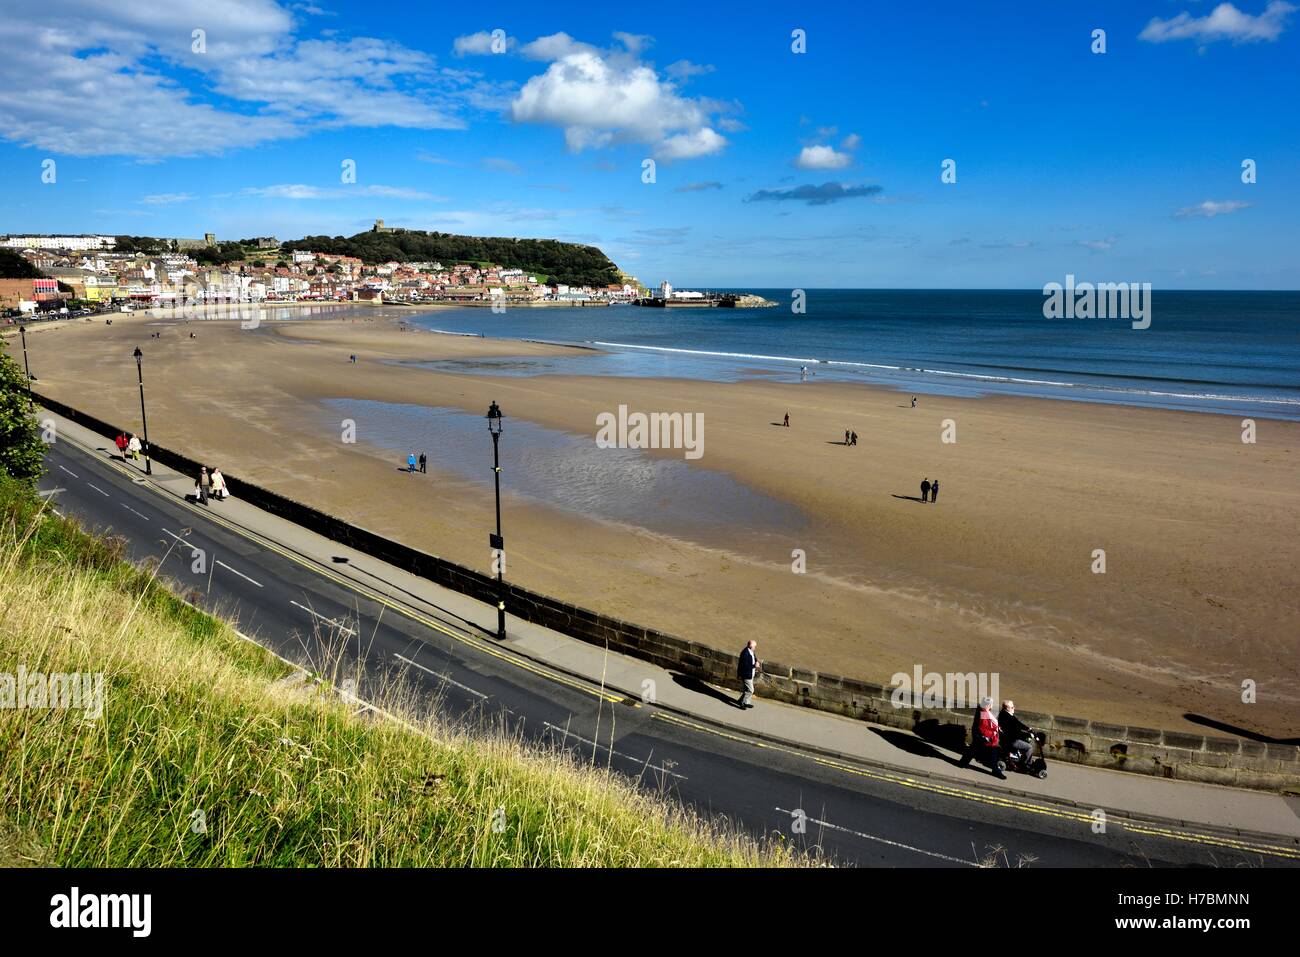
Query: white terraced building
[[59, 242]]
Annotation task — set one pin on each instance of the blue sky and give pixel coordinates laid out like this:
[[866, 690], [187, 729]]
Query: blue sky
[[773, 168]]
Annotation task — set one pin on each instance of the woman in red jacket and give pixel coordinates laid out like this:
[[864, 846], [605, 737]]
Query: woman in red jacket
[[985, 736]]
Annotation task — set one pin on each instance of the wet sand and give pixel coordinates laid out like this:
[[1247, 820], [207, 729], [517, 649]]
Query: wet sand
[[1201, 532]]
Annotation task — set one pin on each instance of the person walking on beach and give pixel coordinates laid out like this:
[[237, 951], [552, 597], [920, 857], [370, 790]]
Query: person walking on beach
[[133, 447], [746, 669], [925, 490], [854, 438], [353, 358], [934, 491], [846, 436], [914, 402], [787, 420], [410, 463], [424, 463], [205, 485]]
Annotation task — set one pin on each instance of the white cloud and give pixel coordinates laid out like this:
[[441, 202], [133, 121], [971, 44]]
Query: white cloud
[[1098, 245], [1210, 209], [395, 192], [303, 191], [166, 199], [822, 157], [599, 98], [478, 44], [701, 142], [683, 70], [1224, 22], [555, 47], [85, 78], [499, 165]]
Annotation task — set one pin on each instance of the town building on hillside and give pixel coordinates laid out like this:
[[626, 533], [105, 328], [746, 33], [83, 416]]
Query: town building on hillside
[[81, 242]]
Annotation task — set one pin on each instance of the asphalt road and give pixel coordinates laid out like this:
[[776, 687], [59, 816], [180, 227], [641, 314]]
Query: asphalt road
[[851, 815]]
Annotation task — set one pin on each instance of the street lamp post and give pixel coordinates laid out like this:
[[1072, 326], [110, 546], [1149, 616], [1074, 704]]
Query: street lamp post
[[22, 331], [494, 418], [139, 371]]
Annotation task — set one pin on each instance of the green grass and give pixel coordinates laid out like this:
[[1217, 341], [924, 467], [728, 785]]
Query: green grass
[[198, 724]]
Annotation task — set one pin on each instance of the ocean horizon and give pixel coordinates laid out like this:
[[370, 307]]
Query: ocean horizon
[[1229, 352]]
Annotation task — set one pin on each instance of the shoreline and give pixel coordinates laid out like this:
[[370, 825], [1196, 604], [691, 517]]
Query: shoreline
[[1200, 530]]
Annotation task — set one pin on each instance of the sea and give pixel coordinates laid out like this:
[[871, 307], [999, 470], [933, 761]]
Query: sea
[[1230, 353]]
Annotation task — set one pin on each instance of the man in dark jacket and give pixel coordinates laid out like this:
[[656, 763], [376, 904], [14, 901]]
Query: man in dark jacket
[[1016, 735], [746, 669]]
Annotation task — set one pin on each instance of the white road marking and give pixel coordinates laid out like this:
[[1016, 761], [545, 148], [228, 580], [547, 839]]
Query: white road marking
[[595, 744], [130, 509], [183, 541], [70, 472], [328, 621], [442, 677], [238, 572], [885, 840], [52, 491], [98, 489]]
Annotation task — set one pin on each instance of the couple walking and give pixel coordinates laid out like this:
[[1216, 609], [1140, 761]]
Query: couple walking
[[850, 437], [411, 462], [210, 486], [929, 490], [129, 447]]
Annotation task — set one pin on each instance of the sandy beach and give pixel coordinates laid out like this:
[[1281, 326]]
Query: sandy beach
[[1201, 532]]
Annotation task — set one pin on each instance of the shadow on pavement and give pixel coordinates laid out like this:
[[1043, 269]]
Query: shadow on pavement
[[913, 745], [699, 687]]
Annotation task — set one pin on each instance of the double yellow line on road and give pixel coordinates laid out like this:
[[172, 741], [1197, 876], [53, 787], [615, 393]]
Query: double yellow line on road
[[1008, 802]]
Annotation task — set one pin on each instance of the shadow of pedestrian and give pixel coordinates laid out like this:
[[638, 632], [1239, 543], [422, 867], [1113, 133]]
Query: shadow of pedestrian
[[909, 498], [699, 687]]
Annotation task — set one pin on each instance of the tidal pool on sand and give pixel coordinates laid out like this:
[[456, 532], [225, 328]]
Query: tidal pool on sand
[[568, 471]]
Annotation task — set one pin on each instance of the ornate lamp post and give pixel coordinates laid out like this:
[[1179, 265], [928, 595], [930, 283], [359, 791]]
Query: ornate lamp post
[[139, 371], [494, 418]]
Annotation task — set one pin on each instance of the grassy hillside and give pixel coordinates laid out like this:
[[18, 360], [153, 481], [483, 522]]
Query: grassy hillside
[[203, 756], [570, 263]]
